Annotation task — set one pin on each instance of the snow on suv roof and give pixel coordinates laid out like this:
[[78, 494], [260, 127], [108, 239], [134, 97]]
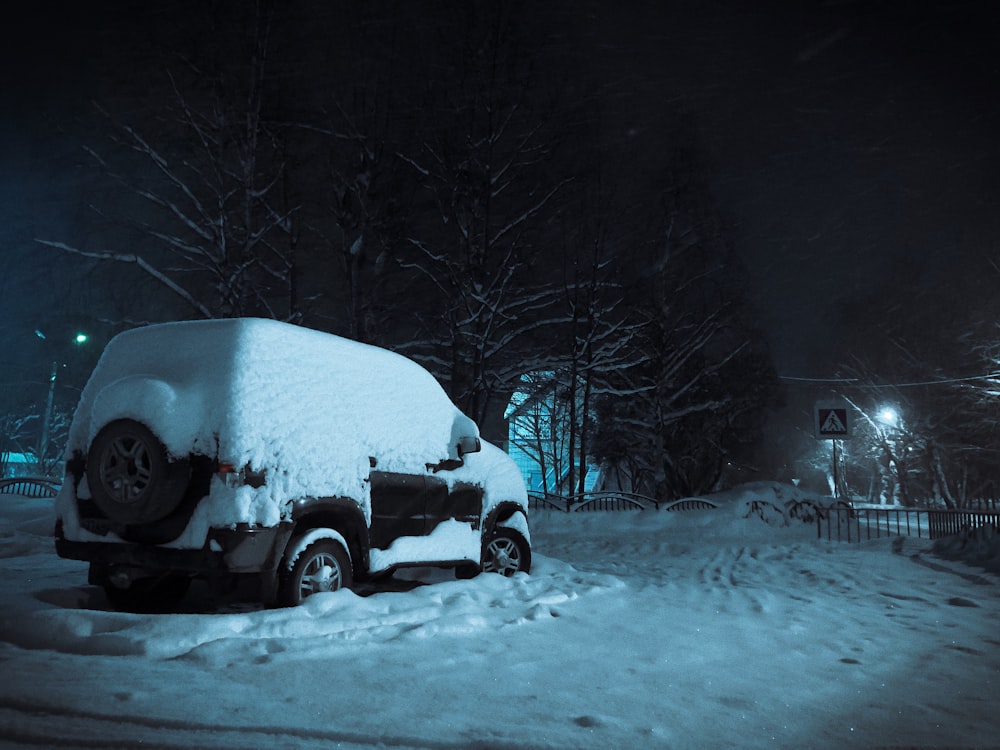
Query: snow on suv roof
[[278, 397]]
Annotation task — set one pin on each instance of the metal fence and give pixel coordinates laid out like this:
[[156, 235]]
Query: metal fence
[[591, 501], [846, 524], [30, 486], [840, 521]]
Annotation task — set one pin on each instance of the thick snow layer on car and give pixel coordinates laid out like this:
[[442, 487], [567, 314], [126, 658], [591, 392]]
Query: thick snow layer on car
[[451, 540], [310, 409], [504, 480]]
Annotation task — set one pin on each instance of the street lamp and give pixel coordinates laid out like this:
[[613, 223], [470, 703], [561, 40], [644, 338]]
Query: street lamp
[[79, 338], [43, 446], [888, 416]]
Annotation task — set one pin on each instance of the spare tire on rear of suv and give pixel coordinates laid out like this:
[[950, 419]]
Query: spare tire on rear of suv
[[132, 479]]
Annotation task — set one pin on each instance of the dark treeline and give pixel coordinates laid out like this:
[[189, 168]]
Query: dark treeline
[[932, 429], [452, 181]]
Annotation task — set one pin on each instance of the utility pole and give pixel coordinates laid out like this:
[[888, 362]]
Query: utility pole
[[43, 447], [43, 444]]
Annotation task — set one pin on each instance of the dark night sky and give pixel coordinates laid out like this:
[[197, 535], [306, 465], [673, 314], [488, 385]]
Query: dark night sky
[[843, 135]]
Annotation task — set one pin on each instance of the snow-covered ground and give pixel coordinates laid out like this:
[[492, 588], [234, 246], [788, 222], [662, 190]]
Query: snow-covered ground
[[699, 629]]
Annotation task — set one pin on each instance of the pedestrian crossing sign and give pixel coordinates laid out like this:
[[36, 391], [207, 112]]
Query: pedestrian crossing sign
[[832, 421]]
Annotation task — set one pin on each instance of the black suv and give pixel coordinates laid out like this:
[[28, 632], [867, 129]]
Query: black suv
[[241, 448]]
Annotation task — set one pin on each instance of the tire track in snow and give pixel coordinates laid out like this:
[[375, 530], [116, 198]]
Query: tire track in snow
[[970, 577], [25, 724]]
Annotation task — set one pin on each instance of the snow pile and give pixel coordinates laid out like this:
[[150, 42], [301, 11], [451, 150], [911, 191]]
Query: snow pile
[[781, 504], [774, 503], [980, 547]]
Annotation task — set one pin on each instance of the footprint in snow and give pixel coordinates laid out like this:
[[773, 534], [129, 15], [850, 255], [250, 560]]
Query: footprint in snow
[[957, 601]]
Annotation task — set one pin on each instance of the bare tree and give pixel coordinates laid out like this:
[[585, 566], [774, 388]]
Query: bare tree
[[597, 342], [696, 404], [364, 194], [16, 431], [938, 370], [39, 433], [207, 177], [485, 176]]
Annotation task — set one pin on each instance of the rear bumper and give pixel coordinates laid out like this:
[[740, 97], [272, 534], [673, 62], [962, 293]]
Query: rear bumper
[[241, 550]]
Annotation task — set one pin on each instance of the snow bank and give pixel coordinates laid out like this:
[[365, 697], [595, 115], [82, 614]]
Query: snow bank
[[690, 629], [979, 547]]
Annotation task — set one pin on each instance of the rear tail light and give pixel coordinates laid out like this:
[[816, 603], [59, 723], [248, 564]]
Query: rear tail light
[[233, 477]]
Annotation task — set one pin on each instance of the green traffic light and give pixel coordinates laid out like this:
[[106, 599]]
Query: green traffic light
[[81, 338]]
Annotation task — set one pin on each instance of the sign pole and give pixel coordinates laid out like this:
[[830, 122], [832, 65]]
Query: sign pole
[[836, 482], [831, 421]]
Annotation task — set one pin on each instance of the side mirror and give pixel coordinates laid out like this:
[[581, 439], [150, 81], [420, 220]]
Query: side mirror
[[468, 444]]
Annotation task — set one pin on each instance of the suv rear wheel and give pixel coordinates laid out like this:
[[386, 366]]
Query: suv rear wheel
[[132, 479]]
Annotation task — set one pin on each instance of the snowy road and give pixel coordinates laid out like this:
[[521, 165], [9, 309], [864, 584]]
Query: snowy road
[[672, 630]]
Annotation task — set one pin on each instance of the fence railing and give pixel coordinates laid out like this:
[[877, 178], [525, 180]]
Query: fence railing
[[591, 501], [30, 486], [840, 521], [846, 524]]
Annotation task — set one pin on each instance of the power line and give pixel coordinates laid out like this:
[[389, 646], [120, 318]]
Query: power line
[[861, 383], [819, 380]]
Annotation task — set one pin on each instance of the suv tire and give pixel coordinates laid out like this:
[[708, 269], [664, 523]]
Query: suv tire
[[132, 479], [506, 552], [322, 566]]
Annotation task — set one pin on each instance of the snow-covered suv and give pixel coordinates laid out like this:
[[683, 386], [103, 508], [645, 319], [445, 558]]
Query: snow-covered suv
[[230, 448]]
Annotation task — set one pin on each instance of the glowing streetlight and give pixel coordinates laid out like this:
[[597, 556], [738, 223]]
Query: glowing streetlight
[[888, 416]]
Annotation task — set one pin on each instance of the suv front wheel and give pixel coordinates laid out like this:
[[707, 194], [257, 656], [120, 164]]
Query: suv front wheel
[[506, 552], [322, 566]]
